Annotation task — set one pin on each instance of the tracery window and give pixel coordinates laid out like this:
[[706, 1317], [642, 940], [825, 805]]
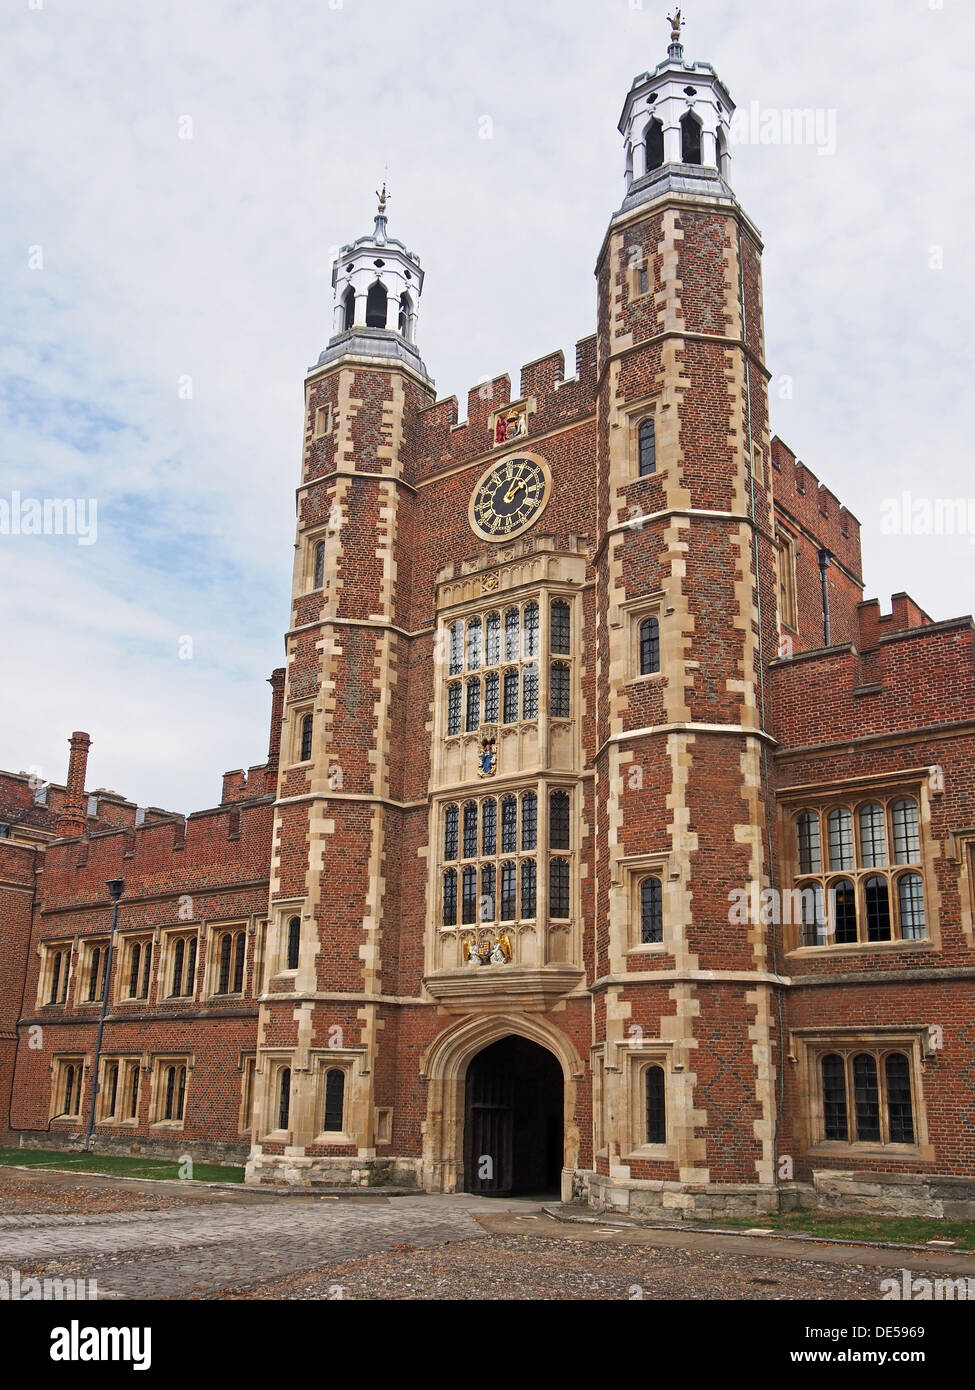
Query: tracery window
[[504, 676], [867, 1095], [859, 872]]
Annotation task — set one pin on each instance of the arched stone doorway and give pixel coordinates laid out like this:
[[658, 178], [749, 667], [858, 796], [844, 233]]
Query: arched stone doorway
[[513, 1142], [444, 1068]]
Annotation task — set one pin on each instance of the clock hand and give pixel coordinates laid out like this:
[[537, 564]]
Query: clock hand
[[517, 482]]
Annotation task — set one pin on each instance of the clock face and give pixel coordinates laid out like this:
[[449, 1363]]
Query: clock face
[[509, 497]]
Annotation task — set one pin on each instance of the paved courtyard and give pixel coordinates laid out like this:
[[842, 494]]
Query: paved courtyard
[[170, 1241]]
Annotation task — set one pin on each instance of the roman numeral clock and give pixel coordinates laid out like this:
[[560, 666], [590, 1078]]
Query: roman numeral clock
[[510, 497]]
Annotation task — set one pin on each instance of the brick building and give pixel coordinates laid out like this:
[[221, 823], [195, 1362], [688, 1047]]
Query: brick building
[[608, 842]]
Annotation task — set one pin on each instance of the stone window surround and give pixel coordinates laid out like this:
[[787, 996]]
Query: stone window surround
[[295, 717], [211, 979], [807, 1046], [636, 1062], [126, 1062], [631, 870], [629, 615], [122, 964], [160, 1062], [276, 938], [633, 413], [885, 788], [351, 1060], [785, 554], [335, 1059], [273, 1063], [544, 595], [543, 786], [962, 847], [247, 1066], [59, 1066], [167, 946], [49, 951], [86, 948]]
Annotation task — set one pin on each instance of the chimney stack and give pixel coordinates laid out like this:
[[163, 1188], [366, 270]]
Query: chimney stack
[[276, 683], [74, 818]]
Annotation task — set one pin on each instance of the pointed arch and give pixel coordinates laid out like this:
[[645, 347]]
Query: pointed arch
[[348, 309], [653, 139], [444, 1067], [376, 304], [690, 138], [721, 153], [406, 316]]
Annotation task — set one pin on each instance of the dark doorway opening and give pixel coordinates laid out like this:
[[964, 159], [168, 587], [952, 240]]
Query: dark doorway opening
[[513, 1128]]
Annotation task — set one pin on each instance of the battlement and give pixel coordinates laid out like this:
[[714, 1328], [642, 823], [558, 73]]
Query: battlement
[[874, 626], [223, 845], [494, 420], [802, 497], [908, 672], [32, 807], [243, 784]]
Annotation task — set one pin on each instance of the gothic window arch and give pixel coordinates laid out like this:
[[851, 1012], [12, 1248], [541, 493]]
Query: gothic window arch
[[348, 309], [690, 139], [406, 316], [653, 139], [376, 304], [721, 152]]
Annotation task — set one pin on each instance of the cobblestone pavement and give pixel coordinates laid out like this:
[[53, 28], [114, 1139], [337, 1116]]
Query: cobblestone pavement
[[563, 1268], [203, 1246], [211, 1243]]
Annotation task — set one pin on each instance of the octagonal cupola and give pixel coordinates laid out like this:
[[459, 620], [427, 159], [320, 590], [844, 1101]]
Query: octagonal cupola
[[675, 125], [377, 285]]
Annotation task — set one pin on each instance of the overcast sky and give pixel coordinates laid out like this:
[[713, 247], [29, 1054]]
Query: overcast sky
[[165, 295]]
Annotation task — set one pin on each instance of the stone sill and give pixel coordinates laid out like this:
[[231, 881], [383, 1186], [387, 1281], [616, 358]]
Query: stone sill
[[498, 987]]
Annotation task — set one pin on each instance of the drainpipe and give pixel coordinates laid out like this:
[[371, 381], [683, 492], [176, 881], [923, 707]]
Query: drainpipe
[[116, 887], [824, 559]]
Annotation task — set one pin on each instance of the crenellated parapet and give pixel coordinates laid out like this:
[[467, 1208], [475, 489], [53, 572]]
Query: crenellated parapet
[[547, 402], [803, 499], [906, 673], [217, 847]]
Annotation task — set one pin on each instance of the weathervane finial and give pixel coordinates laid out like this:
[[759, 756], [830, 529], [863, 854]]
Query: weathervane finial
[[676, 24], [383, 196]]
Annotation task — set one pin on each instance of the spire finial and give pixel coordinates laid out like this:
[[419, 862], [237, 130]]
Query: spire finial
[[379, 235], [676, 49]]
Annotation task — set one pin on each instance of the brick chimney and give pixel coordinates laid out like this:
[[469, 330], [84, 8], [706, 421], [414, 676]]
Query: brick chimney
[[74, 819], [276, 682]]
